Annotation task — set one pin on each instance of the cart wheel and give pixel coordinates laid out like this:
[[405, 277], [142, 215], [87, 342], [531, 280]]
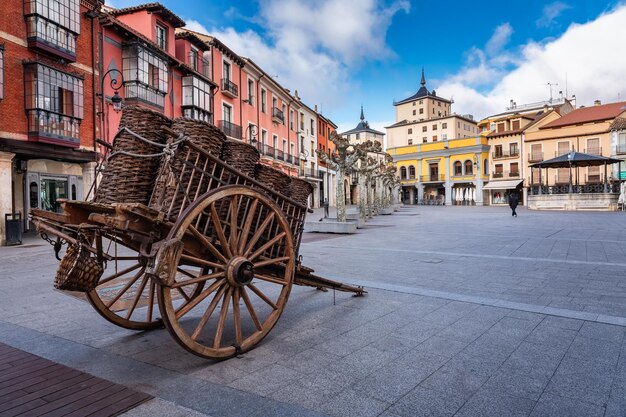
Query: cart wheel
[[126, 295], [247, 243]]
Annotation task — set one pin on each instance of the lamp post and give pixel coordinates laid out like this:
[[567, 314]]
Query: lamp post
[[251, 132]]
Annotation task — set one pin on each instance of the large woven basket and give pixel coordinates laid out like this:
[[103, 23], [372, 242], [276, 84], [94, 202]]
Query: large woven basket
[[130, 178], [77, 271], [299, 190], [241, 156], [176, 180], [272, 178]]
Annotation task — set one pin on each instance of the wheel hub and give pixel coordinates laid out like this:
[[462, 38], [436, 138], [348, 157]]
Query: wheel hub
[[240, 271]]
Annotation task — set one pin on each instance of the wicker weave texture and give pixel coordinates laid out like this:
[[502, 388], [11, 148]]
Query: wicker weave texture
[[241, 156], [130, 179], [77, 270], [299, 191], [274, 179]]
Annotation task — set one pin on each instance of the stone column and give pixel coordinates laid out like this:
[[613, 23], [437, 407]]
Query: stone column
[[6, 191], [89, 174], [420, 192], [479, 181], [448, 183]]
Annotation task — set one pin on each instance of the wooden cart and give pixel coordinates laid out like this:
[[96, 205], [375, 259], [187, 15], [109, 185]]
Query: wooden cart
[[219, 259]]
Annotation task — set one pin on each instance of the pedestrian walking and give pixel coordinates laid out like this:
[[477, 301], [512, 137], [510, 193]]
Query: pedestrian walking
[[513, 201]]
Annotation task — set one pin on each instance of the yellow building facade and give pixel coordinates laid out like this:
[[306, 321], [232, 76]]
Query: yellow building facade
[[451, 172]]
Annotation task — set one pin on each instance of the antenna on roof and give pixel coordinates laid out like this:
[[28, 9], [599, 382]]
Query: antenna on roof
[[550, 85], [566, 85]]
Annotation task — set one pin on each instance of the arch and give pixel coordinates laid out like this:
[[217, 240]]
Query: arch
[[402, 173], [411, 172], [469, 167], [458, 168]]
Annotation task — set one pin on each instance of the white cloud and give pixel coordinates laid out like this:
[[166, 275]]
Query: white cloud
[[499, 39], [588, 53], [314, 45], [550, 13]]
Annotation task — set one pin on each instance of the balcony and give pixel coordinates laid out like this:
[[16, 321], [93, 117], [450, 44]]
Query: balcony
[[229, 88], [504, 155], [50, 37], [277, 115], [269, 151], [48, 127], [505, 174], [561, 152], [594, 151], [309, 172], [433, 178], [280, 155], [620, 149], [535, 157], [230, 129]]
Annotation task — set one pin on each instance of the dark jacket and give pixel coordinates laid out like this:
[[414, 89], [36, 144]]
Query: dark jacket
[[513, 201]]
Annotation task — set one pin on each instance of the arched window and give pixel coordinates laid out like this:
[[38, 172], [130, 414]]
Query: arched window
[[402, 173], [458, 168], [485, 167], [412, 172], [469, 167]]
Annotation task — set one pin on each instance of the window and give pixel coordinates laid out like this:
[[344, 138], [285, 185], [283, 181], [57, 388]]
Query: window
[[444, 125], [469, 167], [328, 133], [420, 102], [302, 123], [486, 167], [312, 127], [1, 72], [498, 173], [292, 148], [263, 137], [193, 58], [412, 172], [358, 136], [410, 131], [161, 36], [263, 101], [497, 151], [515, 124], [513, 149], [402, 173], [458, 168], [291, 119], [274, 141], [145, 75], [514, 169], [250, 92], [421, 111], [621, 143], [410, 142], [413, 103], [593, 175], [424, 128], [284, 145], [283, 112], [435, 138], [434, 127], [444, 136], [593, 146], [536, 153], [424, 140], [54, 104], [562, 148], [196, 101], [226, 74], [413, 112], [227, 113], [53, 26]]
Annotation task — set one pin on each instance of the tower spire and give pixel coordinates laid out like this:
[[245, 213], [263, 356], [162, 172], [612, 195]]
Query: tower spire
[[362, 115], [423, 82]]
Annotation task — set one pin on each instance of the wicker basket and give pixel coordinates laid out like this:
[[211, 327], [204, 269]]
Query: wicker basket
[[272, 178], [77, 270], [241, 156], [176, 181], [127, 178], [299, 191]]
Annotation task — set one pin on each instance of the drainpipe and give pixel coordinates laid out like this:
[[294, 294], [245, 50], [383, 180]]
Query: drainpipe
[[258, 110], [92, 14], [240, 99]]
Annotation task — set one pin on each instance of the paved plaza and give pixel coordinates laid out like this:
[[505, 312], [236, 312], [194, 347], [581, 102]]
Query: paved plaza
[[470, 312]]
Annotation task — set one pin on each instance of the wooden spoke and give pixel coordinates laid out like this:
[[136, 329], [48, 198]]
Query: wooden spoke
[[126, 287], [183, 293], [207, 244], [201, 262], [138, 294], [187, 273], [267, 245], [273, 261], [220, 232], [198, 299], [234, 207], [258, 233], [151, 300], [262, 296], [243, 238], [196, 280], [237, 316], [207, 314], [274, 280], [119, 274], [222, 321], [248, 303]]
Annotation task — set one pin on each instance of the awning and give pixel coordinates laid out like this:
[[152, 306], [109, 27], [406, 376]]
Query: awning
[[502, 185]]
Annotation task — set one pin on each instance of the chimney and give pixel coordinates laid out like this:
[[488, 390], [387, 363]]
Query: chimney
[[316, 108], [597, 103], [545, 108]]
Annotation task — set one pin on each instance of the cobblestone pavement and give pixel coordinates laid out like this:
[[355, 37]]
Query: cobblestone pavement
[[470, 313]]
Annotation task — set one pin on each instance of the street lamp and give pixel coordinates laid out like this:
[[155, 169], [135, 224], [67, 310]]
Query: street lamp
[[115, 84], [251, 132]]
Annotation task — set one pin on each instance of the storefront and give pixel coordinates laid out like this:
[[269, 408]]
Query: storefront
[[499, 191]]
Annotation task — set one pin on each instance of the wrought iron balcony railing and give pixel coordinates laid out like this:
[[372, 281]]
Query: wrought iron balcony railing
[[277, 115], [229, 129], [230, 88]]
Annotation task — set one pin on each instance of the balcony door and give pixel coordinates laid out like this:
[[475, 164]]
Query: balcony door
[[227, 113], [434, 171]]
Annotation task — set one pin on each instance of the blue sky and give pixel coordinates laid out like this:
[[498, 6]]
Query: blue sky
[[340, 54]]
